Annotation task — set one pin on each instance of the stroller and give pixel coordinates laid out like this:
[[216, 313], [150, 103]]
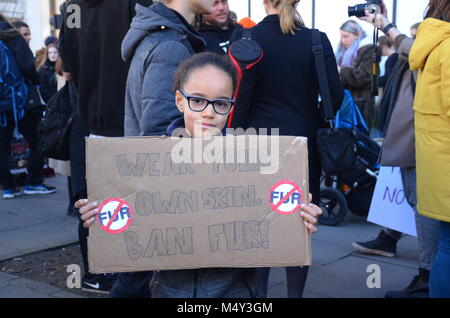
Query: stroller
[[351, 189]]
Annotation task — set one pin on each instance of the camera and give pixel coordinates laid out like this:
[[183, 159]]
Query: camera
[[359, 10]]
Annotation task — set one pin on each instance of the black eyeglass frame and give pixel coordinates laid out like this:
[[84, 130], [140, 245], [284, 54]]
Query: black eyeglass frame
[[209, 101]]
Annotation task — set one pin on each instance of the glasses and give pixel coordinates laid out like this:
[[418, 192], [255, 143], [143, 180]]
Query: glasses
[[199, 104]]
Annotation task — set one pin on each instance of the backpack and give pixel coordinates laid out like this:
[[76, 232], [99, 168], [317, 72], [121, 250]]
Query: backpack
[[53, 130], [245, 53], [13, 90]]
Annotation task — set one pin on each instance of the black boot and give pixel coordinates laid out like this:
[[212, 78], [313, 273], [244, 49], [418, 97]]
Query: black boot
[[418, 288], [383, 245]]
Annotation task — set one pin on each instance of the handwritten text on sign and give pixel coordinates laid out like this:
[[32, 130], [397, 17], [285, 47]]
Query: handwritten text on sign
[[389, 206]]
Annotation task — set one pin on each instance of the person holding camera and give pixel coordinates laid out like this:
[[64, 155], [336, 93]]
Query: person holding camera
[[399, 150]]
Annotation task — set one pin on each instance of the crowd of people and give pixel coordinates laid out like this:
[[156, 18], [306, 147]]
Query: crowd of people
[[167, 61]]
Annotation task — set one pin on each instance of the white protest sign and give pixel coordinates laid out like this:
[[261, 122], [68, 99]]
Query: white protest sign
[[389, 206]]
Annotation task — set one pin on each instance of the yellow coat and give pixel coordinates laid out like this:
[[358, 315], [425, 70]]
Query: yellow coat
[[431, 56]]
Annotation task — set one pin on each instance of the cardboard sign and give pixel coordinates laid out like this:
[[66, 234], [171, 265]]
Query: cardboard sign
[[201, 213], [389, 206]]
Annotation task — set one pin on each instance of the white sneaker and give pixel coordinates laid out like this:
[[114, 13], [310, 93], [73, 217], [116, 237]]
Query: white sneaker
[[11, 194]]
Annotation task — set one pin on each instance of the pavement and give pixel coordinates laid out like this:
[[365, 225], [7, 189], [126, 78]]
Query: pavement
[[35, 223]]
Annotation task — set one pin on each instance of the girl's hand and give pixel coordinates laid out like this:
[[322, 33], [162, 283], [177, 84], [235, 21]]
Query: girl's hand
[[88, 211], [310, 213]]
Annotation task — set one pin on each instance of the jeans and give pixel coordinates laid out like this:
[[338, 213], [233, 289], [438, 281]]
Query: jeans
[[440, 274], [132, 285], [28, 128], [296, 281], [427, 228]]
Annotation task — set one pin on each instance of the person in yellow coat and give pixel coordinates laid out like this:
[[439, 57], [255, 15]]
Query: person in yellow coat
[[431, 56]]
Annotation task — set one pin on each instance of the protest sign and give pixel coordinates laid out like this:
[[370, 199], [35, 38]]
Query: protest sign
[[235, 203], [389, 207]]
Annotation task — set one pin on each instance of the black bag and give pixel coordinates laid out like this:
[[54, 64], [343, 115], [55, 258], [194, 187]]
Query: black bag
[[337, 147], [245, 53], [53, 130], [34, 100]]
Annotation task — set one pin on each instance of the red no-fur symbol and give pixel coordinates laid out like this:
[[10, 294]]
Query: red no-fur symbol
[[285, 197], [115, 216]]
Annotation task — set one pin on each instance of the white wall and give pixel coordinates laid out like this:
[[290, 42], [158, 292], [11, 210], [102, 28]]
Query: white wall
[[330, 14], [37, 16]]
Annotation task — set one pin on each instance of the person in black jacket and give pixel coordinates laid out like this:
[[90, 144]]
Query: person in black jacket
[[283, 93], [217, 28], [92, 59], [388, 49], [27, 125], [47, 74]]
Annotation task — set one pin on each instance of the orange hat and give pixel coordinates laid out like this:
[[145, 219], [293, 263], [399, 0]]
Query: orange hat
[[247, 23]]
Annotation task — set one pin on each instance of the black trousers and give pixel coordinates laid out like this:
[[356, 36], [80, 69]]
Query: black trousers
[[78, 132], [28, 128]]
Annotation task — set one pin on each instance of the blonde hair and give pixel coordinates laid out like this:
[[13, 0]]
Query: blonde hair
[[290, 19]]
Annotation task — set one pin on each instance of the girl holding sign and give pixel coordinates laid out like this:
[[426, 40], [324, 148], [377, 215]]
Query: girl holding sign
[[204, 87]]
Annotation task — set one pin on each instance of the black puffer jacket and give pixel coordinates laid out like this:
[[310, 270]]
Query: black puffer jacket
[[217, 39], [92, 54], [47, 80], [20, 50]]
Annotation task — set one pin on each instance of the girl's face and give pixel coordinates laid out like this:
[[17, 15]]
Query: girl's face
[[347, 39], [53, 54], [206, 82]]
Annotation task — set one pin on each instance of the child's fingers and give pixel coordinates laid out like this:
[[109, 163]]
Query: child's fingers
[[88, 207], [89, 214], [311, 228], [88, 222], [308, 217], [312, 209], [80, 203]]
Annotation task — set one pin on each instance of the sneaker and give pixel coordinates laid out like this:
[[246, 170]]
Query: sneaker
[[101, 283], [11, 194], [418, 288], [39, 189], [383, 245]]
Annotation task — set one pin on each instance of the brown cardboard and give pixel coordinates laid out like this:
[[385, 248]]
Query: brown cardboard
[[201, 229]]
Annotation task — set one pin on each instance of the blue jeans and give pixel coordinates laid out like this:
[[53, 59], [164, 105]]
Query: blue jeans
[[296, 281], [427, 228], [440, 273], [132, 285]]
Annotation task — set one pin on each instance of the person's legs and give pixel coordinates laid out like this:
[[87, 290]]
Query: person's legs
[[132, 285], [262, 275], [296, 281], [28, 128], [6, 179], [427, 238], [78, 132], [427, 229], [440, 273]]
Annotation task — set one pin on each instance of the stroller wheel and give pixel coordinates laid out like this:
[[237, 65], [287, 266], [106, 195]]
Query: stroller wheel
[[334, 206]]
